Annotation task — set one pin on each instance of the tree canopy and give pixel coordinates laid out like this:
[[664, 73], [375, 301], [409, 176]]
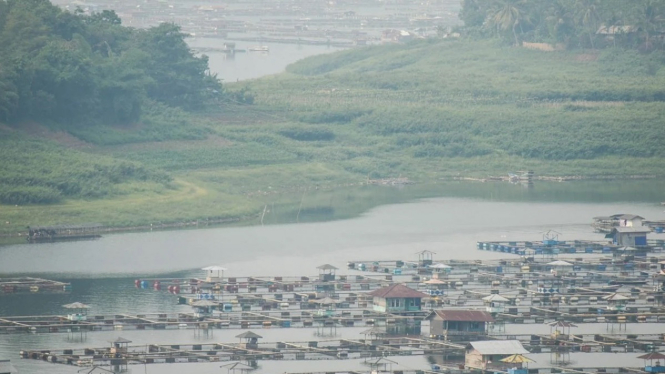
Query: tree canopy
[[76, 68], [636, 24]]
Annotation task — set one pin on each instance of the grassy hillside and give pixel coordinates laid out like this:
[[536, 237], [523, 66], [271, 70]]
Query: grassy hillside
[[425, 110]]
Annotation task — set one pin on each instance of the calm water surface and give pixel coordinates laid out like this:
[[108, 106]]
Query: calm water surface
[[248, 65], [102, 272]]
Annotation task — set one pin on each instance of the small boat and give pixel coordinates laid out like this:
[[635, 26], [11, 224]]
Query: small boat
[[259, 48]]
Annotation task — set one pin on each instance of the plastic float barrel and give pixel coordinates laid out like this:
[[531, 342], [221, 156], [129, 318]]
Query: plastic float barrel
[[144, 284], [170, 288], [176, 289], [137, 283], [157, 285]]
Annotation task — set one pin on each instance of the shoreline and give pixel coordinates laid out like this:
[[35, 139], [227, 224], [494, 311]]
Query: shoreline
[[397, 183]]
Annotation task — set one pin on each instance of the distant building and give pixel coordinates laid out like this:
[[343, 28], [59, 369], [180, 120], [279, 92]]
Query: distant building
[[396, 36], [629, 236], [397, 298], [628, 220], [459, 324], [607, 223]]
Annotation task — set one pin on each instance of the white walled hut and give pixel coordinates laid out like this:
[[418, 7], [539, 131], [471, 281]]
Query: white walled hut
[[215, 273], [440, 270], [495, 303], [628, 220]]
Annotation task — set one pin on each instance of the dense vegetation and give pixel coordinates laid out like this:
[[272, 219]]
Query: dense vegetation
[[79, 70], [94, 78], [636, 24]]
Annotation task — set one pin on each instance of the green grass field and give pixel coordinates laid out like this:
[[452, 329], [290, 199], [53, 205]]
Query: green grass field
[[426, 111]]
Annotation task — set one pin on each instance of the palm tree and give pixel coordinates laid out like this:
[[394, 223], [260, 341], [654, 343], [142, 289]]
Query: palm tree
[[509, 14], [649, 18], [588, 18]]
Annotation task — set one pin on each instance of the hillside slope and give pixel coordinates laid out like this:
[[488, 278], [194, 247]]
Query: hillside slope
[[425, 110]]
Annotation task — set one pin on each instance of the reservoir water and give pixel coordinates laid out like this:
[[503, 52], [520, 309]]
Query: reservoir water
[[387, 223], [248, 65]]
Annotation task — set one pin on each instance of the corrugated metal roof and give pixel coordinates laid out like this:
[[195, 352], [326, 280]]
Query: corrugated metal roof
[[627, 216], [464, 315], [397, 291], [495, 298], [499, 347], [326, 267]]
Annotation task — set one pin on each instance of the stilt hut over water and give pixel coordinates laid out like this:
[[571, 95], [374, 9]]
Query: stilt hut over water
[[249, 340], [653, 367], [119, 345], [326, 273], [80, 311], [425, 258]]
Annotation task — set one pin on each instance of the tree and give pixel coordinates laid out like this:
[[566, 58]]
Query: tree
[[180, 78], [588, 18], [508, 15], [649, 19]]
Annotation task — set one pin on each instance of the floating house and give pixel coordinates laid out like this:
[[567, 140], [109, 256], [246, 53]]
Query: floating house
[[607, 223], [560, 267], [628, 220], [616, 302], [487, 355], [629, 236], [397, 298], [459, 324], [495, 303]]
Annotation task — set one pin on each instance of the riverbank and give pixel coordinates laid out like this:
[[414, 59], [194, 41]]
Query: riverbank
[[327, 203]]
